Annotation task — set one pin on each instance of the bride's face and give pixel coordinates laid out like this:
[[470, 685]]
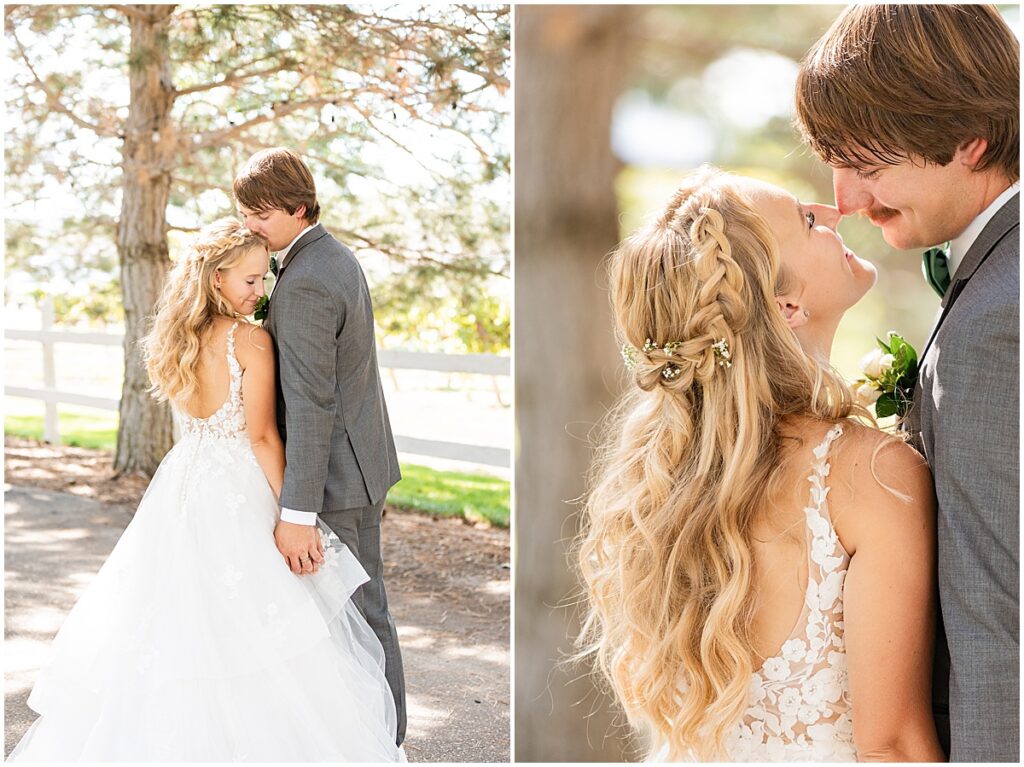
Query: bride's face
[[826, 277], [242, 284]]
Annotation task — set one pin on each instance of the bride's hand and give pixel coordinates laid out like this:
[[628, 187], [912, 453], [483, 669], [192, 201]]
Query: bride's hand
[[300, 546]]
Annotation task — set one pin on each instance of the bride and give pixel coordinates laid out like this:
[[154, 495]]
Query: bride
[[759, 563], [195, 642]]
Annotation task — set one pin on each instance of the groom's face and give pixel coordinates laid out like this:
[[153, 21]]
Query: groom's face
[[915, 204], [278, 226]]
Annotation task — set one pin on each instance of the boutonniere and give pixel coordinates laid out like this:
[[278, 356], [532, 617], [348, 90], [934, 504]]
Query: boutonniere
[[262, 305], [890, 375]]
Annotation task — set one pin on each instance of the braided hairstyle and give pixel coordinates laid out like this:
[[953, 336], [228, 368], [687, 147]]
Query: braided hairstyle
[[188, 306], [689, 455]]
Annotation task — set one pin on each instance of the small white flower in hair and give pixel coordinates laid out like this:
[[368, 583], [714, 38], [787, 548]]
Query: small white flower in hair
[[722, 353], [630, 356]]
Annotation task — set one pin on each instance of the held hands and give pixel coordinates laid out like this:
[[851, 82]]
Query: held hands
[[300, 546]]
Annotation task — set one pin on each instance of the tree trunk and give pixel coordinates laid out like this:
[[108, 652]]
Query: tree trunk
[[570, 63], [145, 432]]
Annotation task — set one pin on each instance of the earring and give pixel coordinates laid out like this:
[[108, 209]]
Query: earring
[[806, 314]]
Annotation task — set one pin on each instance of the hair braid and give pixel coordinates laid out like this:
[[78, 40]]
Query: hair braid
[[687, 460]]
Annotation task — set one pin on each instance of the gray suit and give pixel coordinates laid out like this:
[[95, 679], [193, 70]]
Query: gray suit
[[965, 421], [340, 453]]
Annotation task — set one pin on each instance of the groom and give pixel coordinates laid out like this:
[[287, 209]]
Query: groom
[[916, 109], [340, 454]]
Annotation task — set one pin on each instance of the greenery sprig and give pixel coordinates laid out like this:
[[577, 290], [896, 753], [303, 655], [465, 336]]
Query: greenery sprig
[[262, 305]]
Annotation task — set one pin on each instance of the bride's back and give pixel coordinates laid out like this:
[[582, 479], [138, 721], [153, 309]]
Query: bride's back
[[781, 539], [779, 543], [798, 698], [212, 372]]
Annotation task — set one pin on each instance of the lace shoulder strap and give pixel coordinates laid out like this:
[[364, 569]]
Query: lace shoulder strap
[[233, 366], [826, 552], [821, 468], [821, 451]]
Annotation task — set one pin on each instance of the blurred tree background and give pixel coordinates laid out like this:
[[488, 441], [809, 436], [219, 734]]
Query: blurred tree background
[[688, 84], [127, 123]]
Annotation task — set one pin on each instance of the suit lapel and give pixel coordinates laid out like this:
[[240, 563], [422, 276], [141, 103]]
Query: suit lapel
[[312, 235], [1006, 219]]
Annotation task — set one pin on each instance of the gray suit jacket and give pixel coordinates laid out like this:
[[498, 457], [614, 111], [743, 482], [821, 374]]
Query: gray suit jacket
[[330, 406], [965, 421]]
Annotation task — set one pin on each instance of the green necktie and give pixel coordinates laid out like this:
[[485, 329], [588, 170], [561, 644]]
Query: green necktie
[[273, 265], [936, 268]]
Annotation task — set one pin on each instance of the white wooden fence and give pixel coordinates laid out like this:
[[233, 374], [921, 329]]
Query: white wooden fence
[[480, 364]]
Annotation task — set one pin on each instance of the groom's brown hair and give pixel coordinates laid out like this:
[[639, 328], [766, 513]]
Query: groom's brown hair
[[891, 82], [277, 179]]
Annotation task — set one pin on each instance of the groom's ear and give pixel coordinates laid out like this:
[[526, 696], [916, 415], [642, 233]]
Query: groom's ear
[[970, 152], [300, 211], [791, 313]]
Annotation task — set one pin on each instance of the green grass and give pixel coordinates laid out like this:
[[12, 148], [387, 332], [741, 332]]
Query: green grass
[[474, 497], [77, 429]]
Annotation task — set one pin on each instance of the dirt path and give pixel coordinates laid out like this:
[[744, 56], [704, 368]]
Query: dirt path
[[448, 584]]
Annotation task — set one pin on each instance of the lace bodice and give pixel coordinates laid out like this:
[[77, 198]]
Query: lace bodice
[[799, 706], [228, 422]]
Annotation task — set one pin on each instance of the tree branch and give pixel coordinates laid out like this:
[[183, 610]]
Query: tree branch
[[319, 158], [210, 138], [233, 78], [53, 100], [369, 121], [402, 255]]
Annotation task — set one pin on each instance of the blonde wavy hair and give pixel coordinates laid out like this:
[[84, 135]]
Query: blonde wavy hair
[[188, 306], [687, 461]]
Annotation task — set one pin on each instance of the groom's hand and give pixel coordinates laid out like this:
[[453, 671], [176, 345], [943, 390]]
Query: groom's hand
[[300, 546]]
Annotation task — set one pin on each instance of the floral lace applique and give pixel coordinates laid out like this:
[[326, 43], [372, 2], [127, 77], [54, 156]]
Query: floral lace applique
[[228, 422], [230, 577], [274, 621], [146, 660], [234, 501], [331, 553], [799, 700]]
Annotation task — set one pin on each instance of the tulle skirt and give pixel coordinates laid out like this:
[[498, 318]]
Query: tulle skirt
[[195, 642]]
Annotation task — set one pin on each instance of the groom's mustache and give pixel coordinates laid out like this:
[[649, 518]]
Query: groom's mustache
[[879, 215]]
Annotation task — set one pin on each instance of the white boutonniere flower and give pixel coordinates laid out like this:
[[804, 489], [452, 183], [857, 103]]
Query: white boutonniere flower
[[890, 375]]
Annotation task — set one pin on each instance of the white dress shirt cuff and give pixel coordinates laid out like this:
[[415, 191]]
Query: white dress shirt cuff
[[298, 517]]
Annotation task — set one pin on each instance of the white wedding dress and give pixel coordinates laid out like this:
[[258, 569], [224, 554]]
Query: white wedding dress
[[195, 642], [799, 706]]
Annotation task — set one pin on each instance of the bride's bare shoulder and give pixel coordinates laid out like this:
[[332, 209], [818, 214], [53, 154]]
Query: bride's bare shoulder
[[862, 448], [879, 484], [253, 345]]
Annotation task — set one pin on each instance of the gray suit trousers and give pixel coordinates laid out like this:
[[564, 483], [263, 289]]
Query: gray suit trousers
[[359, 529]]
